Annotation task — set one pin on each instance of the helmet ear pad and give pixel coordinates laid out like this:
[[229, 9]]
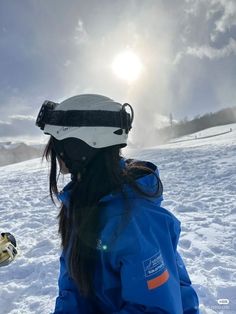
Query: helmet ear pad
[[75, 153]]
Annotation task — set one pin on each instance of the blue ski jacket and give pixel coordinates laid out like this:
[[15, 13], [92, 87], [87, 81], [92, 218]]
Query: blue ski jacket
[[142, 271]]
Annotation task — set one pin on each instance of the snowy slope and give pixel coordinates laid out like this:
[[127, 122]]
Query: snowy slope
[[29, 284], [199, 188], [202, 137]]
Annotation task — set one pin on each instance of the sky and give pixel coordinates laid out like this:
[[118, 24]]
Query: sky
[[54, 49]]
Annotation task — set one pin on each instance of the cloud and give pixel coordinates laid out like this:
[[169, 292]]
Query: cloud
[[228, 17], [81, 35], [217, 16], [18, 126], [226, 12], [206, 30], [67, 63], [209, 52], [22, 118], [12, 102]]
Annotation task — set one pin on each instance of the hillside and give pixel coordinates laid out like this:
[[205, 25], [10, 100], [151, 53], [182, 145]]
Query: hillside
[[185, 127], [16, 152]]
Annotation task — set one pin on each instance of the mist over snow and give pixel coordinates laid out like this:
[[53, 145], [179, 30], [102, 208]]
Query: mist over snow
[[198, 178]]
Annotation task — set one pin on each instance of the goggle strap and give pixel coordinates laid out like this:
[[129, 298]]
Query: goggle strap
[[81, 118]]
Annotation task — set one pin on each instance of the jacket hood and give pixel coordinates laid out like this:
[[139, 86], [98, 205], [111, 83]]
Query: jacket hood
[[149, 183]]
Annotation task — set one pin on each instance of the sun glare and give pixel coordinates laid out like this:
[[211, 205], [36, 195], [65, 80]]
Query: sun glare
[[127, 66]]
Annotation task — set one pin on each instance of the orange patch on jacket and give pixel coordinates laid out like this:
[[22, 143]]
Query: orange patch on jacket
[[158, 281]]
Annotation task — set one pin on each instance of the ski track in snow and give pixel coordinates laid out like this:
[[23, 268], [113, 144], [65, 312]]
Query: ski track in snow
[[198, 188]]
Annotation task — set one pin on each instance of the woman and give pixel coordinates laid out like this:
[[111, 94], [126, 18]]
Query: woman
[[119, 245]]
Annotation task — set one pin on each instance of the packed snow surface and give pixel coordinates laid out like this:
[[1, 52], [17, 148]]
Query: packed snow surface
[[199, 188]]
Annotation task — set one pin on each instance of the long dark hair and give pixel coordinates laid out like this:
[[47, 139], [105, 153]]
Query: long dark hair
[[79, 224]]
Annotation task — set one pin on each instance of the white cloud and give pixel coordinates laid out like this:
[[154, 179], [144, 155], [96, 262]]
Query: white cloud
[[5, 122], [19, 125], [192, 7], [67, 63], [81, 35], [227, 16], [221, 12], [207, 51], [22, 117], [205, 29], [14, 104]]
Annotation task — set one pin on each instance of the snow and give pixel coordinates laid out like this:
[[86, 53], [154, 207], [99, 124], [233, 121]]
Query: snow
[[216, 133], [198, 178]]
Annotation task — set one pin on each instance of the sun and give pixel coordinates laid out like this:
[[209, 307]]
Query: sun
[[127, 66]]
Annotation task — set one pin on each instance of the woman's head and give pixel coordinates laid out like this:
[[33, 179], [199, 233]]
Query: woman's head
[[82, 125]]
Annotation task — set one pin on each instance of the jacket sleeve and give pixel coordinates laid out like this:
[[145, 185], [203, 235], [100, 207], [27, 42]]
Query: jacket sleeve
[[69, 300], [149, 272], [66, 301], [188, 294]]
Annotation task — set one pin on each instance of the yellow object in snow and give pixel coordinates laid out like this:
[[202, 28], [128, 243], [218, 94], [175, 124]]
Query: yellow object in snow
[[8, 249]]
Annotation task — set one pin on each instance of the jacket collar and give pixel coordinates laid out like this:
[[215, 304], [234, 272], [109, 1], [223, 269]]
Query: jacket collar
[[148, 183]]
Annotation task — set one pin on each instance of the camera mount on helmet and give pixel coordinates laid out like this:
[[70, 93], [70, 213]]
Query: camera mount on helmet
[[45, 111]]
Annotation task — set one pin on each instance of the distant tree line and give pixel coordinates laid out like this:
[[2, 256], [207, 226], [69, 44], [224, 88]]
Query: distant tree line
[[184, 127]]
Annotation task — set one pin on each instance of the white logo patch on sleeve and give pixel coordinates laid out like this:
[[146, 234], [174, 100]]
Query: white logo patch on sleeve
[[155, 266]]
